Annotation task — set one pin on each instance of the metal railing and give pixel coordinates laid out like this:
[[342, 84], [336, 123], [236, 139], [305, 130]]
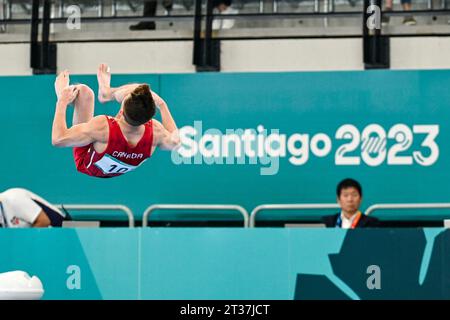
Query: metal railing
[[394, 206], [101, 207], [201, 207], [248, 221], [206, 43], [306, 206], [327, 12]]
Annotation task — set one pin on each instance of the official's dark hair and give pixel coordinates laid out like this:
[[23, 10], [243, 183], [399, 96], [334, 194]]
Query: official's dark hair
[[348, 183], [139, 107]]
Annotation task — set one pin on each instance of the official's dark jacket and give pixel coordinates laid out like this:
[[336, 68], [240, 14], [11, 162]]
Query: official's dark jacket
[[364, 221]]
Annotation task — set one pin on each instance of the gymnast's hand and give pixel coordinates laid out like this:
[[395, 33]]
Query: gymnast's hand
[[68, 95]]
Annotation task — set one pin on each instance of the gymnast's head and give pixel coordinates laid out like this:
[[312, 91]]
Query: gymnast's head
[[139, 106]]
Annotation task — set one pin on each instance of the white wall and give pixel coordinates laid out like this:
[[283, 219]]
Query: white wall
[[292, 55], [237, 56], [127, 57], [15, 59], [420, 53]]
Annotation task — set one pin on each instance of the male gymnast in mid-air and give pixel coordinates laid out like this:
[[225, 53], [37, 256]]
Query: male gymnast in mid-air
[[105, 146]]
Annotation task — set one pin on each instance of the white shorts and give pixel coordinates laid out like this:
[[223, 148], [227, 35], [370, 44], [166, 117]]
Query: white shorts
[[19, 208]]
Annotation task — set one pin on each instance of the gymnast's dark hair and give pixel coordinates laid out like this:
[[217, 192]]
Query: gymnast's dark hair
[[139, 107]]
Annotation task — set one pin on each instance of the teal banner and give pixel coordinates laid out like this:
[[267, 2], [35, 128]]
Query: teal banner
[[250, 139]]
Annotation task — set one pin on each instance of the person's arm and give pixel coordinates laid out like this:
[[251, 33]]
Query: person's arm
[[166, 140], [121, 92], [170, 138], [166, 117], [76, 136]]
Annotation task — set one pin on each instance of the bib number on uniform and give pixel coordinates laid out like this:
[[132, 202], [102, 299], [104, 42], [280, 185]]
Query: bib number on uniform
[[110, 165]]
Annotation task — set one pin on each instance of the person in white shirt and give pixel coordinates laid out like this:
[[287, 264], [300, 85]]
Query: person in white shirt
[[349, 197], [21, 208]]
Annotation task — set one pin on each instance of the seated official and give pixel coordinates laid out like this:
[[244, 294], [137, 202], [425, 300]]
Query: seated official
[[349, 197], [21, 208]]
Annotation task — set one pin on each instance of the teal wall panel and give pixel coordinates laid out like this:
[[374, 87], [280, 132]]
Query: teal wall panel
[[216, 263], [305, 103]]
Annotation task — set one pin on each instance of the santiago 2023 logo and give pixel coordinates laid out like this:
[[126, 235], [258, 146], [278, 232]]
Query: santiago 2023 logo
[[373, 146]]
